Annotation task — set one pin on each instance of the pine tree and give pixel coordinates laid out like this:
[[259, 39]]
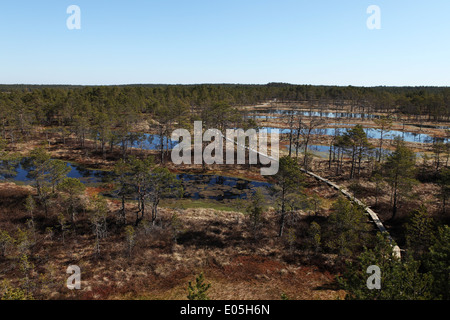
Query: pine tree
[[199, 290], [400, 173], [255, 209], [130, 235], [444, 184], [6, 242], [356, 141], [437, 261], [288, 181], [420, 231], [30, 206], [383, 125], [97, 217], [74, 189], [176, 226], [399, 280], [347, 227], [8, 292], [315, 236]]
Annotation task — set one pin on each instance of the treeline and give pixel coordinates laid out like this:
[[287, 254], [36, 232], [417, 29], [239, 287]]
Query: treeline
[[433, 102], [109, 115]]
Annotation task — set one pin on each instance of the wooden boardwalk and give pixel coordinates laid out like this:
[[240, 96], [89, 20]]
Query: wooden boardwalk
[[370, 212], [373, 216]]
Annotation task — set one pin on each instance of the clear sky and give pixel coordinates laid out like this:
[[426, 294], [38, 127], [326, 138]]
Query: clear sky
[[225, 41]]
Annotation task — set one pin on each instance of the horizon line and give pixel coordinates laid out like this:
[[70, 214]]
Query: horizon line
[[222, 83]]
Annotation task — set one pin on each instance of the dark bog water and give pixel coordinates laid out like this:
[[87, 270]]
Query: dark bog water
[[304, 113], [19, 171], [218, 187], [153, 142], [372, 133], [196, 186]]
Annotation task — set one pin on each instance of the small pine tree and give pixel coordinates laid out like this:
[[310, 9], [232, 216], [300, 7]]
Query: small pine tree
[[63, 224], [420, 231], [130, 235], [437, 261], [315, 238], [8, 292], [255, 209], [315, 203], [176, 225], [98, 215], [291, 238], [26, 268], [49, 233], [347, 228], [74, 189], [198, 291], [400, 280], [6, 242], [30, 205], [23, 241]]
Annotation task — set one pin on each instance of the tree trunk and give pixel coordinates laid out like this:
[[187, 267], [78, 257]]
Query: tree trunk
[[395, 201], [283, 212], [122, 211]]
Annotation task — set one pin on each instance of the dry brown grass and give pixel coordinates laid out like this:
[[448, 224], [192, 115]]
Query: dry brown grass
[[218, 243]]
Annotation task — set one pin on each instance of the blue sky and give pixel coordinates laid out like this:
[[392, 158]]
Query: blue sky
[[234, 41]]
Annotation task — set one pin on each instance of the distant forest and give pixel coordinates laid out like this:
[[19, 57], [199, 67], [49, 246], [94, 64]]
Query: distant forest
[[433, 102]]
